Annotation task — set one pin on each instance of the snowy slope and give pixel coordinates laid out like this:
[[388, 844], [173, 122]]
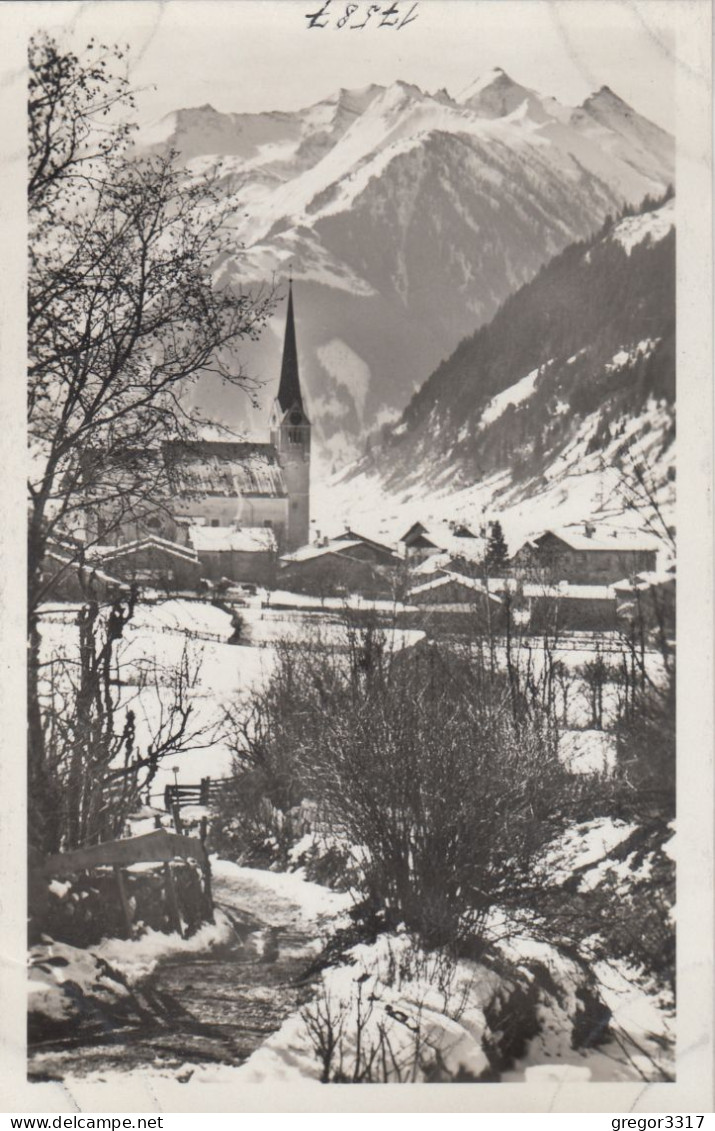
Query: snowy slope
[[408, 218], [539, 416]]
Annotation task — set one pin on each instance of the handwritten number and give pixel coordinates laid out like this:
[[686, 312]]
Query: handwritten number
[[391, 15], [313, 17], [393, 10], [371, 11], [407, 19], [350, 9]]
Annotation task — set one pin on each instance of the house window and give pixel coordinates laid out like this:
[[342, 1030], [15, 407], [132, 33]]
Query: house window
[[214, 522], [268, 522], [294, 436]]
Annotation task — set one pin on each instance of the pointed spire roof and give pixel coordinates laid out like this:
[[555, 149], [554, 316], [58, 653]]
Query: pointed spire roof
[[289, 394]]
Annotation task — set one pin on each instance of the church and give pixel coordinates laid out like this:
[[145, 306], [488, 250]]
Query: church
[[235, 506], [247, 485]]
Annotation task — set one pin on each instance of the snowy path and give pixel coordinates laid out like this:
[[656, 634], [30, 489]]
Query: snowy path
[[217, 1006]]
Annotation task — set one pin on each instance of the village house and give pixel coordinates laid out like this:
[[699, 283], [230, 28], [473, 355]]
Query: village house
[[152, 561], [416, 543], [538, 606], [341, 565], [581, 554], [61, 579], [452, 591], [238, 553], [451, 603], [383, 552]]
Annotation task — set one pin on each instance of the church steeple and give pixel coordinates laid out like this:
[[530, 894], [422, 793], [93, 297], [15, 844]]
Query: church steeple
[[289, 394], [290, 432]]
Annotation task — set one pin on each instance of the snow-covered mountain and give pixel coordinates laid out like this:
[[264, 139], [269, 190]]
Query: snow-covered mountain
[[408, 218], [544, 414]]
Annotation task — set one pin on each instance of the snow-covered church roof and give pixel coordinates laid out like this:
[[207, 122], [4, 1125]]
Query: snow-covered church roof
[[225, 469]]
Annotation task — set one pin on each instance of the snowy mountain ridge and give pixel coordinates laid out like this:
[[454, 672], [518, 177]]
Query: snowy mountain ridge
[[407, 218]]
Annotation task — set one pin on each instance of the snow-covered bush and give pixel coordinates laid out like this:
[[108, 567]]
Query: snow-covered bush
[[429, 760], [395, 1013]]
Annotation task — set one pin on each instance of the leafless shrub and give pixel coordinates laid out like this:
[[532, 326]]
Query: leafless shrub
[[425, 758], [99, 754]]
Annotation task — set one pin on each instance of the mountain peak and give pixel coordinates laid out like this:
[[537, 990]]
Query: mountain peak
[[496, 77], [612, 111], [409, 88], [355, 100], [496, 95], [443, 95], [604, 94]]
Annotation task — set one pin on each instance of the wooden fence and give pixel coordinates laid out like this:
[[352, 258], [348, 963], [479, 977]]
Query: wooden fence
[[201, 794], [159, 846]]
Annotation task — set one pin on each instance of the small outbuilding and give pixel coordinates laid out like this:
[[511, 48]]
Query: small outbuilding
[[153, 561], [344, 565], [241, 553]]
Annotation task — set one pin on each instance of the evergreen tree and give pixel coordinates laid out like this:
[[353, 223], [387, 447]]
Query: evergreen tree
[[497, 555]]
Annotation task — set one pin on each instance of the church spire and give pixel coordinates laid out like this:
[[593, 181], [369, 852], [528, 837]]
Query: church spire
[[289, 395]]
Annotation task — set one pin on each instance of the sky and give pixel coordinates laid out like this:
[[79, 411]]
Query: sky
[[255, 55]]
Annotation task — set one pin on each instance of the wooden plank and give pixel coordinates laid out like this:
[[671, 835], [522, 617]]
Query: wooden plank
[[126, 909], [172, 899], [159, 846]]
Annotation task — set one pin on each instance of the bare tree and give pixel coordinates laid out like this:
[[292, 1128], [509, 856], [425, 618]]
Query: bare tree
[[123, 315], [105, 727]]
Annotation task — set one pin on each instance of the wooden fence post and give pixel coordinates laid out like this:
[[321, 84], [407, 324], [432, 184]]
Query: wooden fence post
[[176, 813], [126, 909], [206, 873], [172, 900]]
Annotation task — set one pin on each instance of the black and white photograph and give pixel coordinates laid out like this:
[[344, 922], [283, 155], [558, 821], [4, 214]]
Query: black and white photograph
[[354, 487]]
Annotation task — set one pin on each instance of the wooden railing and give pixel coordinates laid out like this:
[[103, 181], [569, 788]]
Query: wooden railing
[[159, 846], [201, 794]]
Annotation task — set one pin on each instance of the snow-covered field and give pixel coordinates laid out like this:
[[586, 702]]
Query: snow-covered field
[[160, 639]]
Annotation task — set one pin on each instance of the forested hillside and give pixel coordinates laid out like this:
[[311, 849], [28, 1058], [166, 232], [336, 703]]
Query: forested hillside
[[585, 351]]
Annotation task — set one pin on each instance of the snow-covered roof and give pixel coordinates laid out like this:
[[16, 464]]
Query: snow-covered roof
[[472, 583], [414, 531], [352, 536], [152, 541], [433, 564], [577, 538], [565, 590], [227, 470], [317, 550], [647, 580], [246, 539], [93, 571]]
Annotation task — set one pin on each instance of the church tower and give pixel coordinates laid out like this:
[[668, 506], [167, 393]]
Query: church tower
[[290, 433]]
